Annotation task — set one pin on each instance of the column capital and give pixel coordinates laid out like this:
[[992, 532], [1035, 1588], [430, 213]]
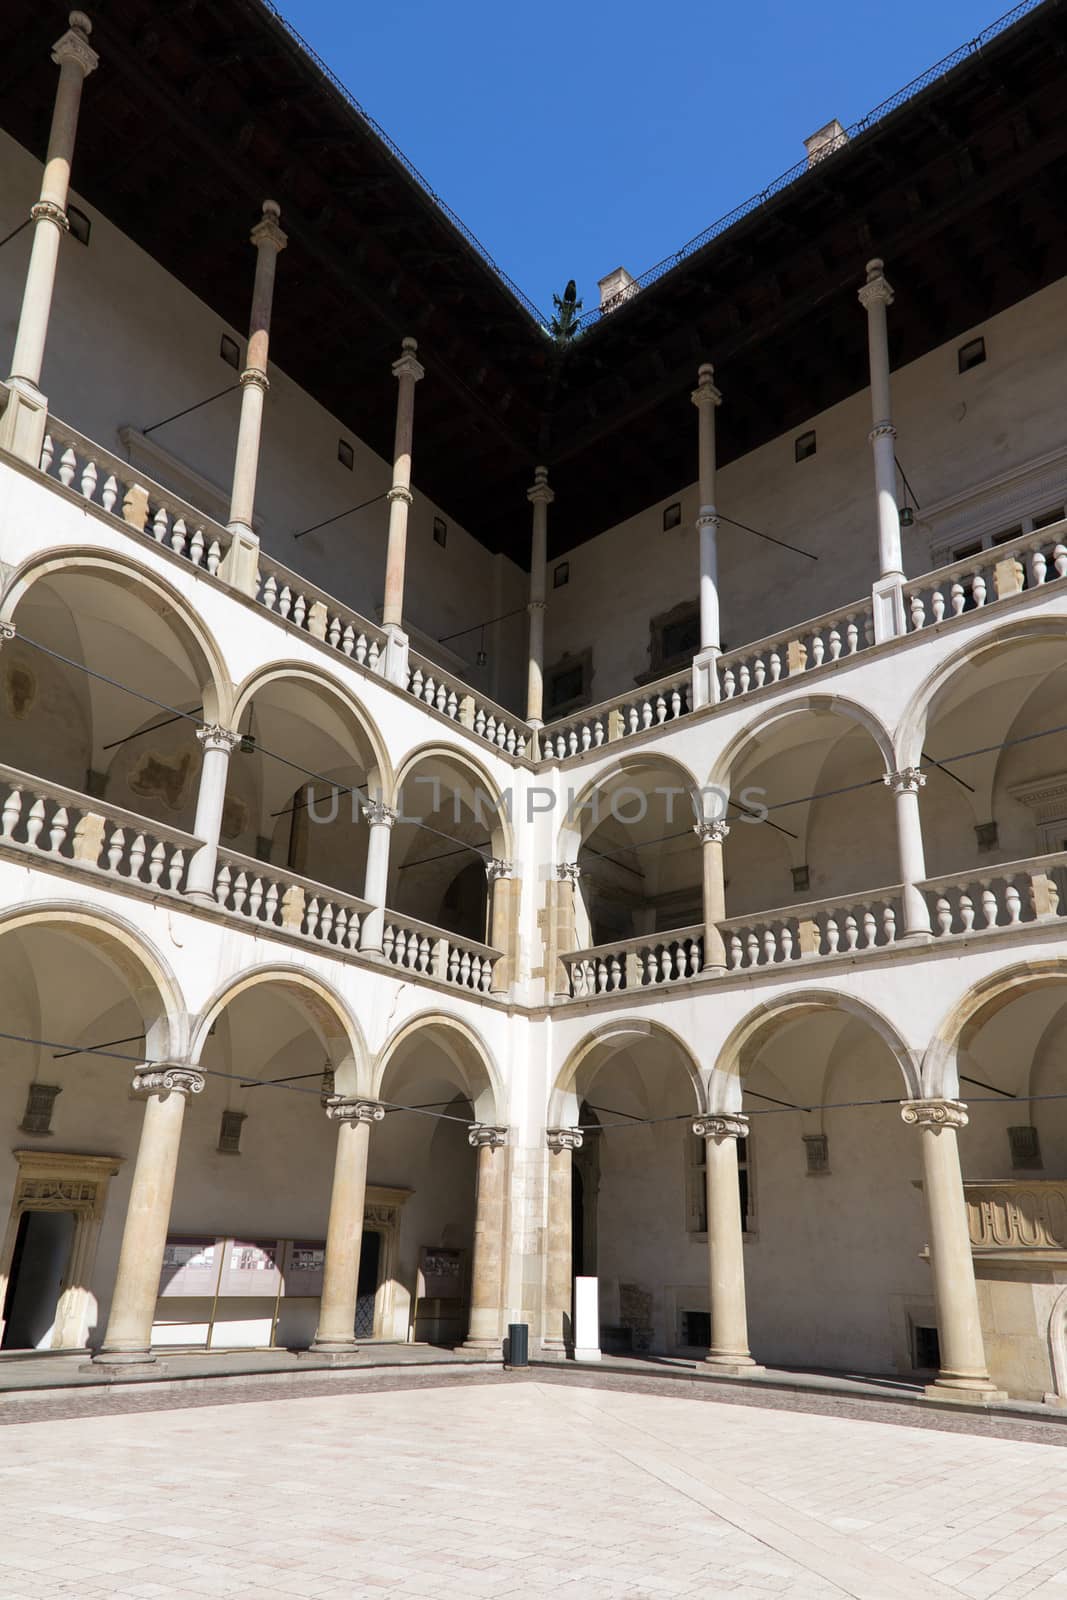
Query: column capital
[[713, 832], [267, 234], [213, 736], [707, 517], [705, 393], [496, 868], [728, 1125], [540, 493], [168, 1079], [877, 290], [400, 491], [480, 1134], [74, 45], [909, 780], [48, 211], [560, 1139], [405, 365], [881, 430], [7, 632], [340, 1109], [934, 1113], [255, 376], [568, 872], [378, 813]]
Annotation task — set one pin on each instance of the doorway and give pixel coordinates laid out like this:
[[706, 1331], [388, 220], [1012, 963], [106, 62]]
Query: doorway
[[367, 1285], [39, 1268]]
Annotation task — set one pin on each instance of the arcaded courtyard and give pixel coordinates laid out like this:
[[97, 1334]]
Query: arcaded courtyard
[[524, 1488]]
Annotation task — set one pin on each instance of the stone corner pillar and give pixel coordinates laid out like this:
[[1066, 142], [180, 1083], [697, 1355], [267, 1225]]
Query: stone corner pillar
[[905, 785], [487, 1258], [128, 1339], [876, 296], [712, 836], [407, 370], [964, 1375], [540, 497], [728, 1352], [380, 820], [217, 743], [25, 416], [707, 398], [336, 1331], [557, 1330], [503, 921], [562, 929]]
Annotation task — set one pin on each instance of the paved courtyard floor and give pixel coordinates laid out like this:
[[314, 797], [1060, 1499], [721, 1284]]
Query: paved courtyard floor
[[522, 1489]]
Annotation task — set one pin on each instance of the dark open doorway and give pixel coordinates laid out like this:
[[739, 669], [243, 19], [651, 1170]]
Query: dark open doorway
[[38, 1270]]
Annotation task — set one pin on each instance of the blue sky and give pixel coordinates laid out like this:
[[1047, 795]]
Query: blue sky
[[575, 140]]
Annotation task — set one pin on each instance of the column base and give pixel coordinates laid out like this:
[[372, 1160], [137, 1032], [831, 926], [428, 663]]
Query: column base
[[592, 1353], [965, 1391], [240, 565], [393, 662], [123, 1362], [331, 1350], [732, 1366], [705, 689], [24, 421], [887, 600], [489, 1349]]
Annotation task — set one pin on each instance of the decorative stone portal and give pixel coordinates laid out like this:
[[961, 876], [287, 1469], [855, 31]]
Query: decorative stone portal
[[46, 1266]]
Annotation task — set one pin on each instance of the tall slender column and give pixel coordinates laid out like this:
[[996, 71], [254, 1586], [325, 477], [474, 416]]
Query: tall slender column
[[728, 1351], [876, 296], [563, 931], [133, 1304], [707, 399], [407, 371], [964, 1374], [501, 889], [217, 743], [336, 1332], [22, 425], [905, 785], [557, 1337], [712, 836], [487, 1263], [540, 497], [380, 821]]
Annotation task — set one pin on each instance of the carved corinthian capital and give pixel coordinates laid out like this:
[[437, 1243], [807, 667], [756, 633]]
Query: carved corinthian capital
[[74, 45], [560, 1139], [215, 737], [168, 1080], [877, 290], [568, 872], [934, 1113], [727, 1125], [496, 868], [713, 832], [909, 780], [705, 393], [376, 811]]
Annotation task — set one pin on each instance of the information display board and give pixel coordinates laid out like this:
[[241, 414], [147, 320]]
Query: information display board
[[303, 1268], [251, 1267], [190, 1268]]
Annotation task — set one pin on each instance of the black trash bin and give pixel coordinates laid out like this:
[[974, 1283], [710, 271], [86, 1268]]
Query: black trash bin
[[518, 1345]]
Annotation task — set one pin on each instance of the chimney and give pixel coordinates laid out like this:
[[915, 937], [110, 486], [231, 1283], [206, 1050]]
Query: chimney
[[615, 289], [825, 141]]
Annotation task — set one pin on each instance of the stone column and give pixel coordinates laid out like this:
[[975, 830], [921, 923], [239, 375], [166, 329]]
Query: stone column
[[407, 371], [501, 887], [133, 1304], [217, 743], [707, 398], [22, 425], [240, 564], [380, 819], [712, 836], [905, 785], [563, 927], [557, 1337], [487, 1263], [729, 1351], [540, 497], [964, 1374], [875, 296], [336, 1332]]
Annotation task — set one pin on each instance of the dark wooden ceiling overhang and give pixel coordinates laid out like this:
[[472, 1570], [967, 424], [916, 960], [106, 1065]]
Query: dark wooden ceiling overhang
[[201, 108]]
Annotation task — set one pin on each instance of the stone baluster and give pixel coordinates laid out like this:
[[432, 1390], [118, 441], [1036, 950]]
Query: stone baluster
[[964, 1374], [240, 566], [540, 497], [133, 1303], [876, 296], [380, 820], [217, 743], [557, 1334], [336, 1332], [728, 1352], [23, 423], [707, 399], [905, 785], [487, 1257], [712, 836], [503, 918], [407, 371]]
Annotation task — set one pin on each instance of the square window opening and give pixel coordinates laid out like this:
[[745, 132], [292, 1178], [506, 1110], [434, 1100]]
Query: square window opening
[[345, 454], [230, 351], [804, 446], [80, 226], [672, 516], [561, 574], [440, 531], [970, 355]]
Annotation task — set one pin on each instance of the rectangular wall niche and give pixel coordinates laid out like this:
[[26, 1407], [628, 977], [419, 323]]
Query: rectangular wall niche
[[230, 1132], [817, 1152], [1025, 1149], [37, 1117]]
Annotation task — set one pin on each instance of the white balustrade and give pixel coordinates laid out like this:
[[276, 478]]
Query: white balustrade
[[457, 700], [132, 499], [433, 953], [1026, 563], [832, 637], [1002, 896], [276, 898], [636, 964], [656, 704], [839, 926], [300, 603], [61, 825]]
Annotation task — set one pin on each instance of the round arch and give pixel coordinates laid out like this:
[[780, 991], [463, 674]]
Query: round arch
[[940, 1067], [737, 1055], [480, 792], [812, 704], [157, 594], [327, 1014], [591, 1053], [379, 775], [569, 838], [463, 1046]]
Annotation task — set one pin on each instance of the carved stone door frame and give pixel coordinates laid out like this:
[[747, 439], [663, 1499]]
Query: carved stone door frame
[[52, 1181], [381, 1215]]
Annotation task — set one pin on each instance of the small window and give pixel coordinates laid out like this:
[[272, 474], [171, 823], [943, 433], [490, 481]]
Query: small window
[[80, 226], [345, 454], [1025, 1148], [962, 551], [696, 1329], [680, 639], [440, 531], [1007, 534], [987, 836], [817, 1154], [971, 354], [672, 517], [801, 878], [926, 1348], [1047, 518], [40, 1100], [566, 686], [230, 351], [230, 1132], [673, 639], [561, 574], [804, 446]]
